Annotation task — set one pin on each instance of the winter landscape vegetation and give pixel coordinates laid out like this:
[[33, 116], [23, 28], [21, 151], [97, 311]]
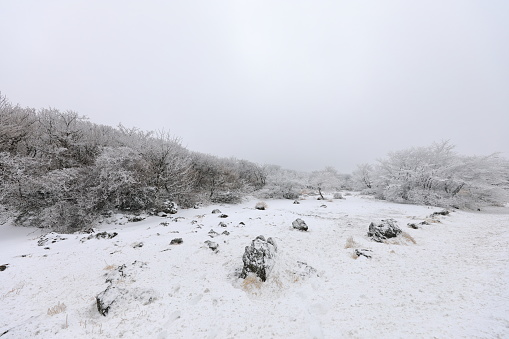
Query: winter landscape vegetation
[[118, 232], [254, 169]]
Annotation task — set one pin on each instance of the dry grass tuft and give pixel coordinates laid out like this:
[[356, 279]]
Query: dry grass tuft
[[404, 239], [251, 282], [354, 255], [58, 308], [110, 267], [408, 237], [351, 243]]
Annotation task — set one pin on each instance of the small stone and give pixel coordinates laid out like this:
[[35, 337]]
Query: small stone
[[176, 241], [223, 216], [212, 245], [300, 225]]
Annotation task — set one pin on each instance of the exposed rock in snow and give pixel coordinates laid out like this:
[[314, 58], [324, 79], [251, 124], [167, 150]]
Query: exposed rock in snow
[[222, 224], [212, 245], [296, 202], [324, 206], [304, 270], [362, 252], [101, 235], [223, 216], [3, 267], [213, 233], [300, 225], [169, 207], [226, 233], [216, 211], [413, 225], [443, 212], [107, 297], [176, 241], [135, 218], [50, 238], [379, 231], [261, 205], [259, 257]]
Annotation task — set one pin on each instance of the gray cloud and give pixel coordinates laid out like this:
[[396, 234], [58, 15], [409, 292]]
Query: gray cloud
[[296, 83]]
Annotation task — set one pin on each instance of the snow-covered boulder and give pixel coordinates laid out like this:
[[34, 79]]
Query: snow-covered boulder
[[107, 297], [216, 211], [169, 207], [379, 231], [259, 257], [212, 245], [300, 225]]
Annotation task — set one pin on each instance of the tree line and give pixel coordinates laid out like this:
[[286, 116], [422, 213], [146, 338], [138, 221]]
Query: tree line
[[62, 172]]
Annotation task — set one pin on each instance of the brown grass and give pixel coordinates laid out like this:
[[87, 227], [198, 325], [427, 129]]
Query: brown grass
[[408, 237], [58, 308], [251, 282], [110, 267], [351, 243]]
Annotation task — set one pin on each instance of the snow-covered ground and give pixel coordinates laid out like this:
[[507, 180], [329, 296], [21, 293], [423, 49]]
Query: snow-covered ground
[[453, 282]]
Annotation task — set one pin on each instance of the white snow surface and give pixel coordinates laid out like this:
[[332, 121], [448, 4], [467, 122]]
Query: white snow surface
[[452, 283]]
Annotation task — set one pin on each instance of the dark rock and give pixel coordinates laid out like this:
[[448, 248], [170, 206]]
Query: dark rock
[[137, 244], [3, 267], [261, 206], [242, 223], [50, 237], [296, 202], [424, 223], [222, 224], [212, 245], [304, 270], [259, 258], [412, 225], [216, 211], [363, 252], [300, 225], [444, 212], [105, 299], [223, 216], [213, 233], [226, 233], [169, 207], [164, 223], [135, 218], [383, 230], [324, 206], [176, 241]]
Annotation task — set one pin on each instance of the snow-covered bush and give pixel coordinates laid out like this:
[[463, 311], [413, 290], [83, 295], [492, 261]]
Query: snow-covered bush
[[436, 175]]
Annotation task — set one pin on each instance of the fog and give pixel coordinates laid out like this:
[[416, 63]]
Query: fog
[[301, 84]]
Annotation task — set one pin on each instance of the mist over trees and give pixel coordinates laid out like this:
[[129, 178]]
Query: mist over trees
[[62, 172]]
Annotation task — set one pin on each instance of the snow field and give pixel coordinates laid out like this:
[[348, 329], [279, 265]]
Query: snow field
[[453, 282]]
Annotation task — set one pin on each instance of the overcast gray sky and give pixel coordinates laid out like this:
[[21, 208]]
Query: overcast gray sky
[[302, 84]]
